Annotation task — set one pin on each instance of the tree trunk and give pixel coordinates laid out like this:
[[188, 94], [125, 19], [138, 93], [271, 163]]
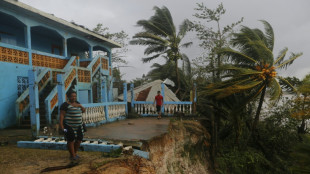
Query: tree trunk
[[177, 74], [303, 123], [213, 136], [259, 108], [213, 71], [218, 73]]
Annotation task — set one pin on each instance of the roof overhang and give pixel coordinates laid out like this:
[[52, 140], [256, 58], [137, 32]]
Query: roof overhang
[[50, 19]]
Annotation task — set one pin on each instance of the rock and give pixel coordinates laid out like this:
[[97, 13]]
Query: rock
[[128, 150]]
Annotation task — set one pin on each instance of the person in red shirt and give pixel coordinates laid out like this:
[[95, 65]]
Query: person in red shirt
[[159, 103]]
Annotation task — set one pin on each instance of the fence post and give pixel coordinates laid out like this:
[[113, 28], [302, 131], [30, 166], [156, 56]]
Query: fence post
[[163, 94], [132, 97], [60, 92], [34, 103], [125, 97]]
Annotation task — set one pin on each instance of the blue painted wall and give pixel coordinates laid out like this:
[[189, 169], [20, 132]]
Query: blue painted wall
[[8, 91], [14, 23]]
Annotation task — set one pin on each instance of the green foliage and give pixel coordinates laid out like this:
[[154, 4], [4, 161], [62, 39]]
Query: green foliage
[[113, 153], [212, 37], [300, 156], [121, 37], [242, 162], [269, 154]]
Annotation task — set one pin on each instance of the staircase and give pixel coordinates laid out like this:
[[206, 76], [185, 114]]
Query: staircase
[[26, 123], [48, 95]]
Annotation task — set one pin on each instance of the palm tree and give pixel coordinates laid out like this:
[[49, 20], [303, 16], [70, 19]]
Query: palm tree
[[161, 38], [253, 67]]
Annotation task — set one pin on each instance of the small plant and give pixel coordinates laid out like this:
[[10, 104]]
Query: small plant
[[113, 153]]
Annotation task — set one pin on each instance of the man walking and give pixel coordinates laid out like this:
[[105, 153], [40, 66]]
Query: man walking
[[159, 102]]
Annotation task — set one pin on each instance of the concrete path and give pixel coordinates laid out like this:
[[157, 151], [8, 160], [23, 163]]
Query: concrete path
[[130, 129]]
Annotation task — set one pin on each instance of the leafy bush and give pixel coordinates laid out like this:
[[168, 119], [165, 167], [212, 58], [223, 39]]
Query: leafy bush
[[269, 153]]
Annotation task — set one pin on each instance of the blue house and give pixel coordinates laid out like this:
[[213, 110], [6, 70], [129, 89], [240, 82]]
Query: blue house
[[35, 47]]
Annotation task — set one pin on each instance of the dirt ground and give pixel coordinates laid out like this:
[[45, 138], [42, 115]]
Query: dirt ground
[[178, 151], [17, 160]]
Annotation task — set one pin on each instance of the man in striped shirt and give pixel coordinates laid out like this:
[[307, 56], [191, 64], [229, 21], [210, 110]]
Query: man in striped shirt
[[71, 124]]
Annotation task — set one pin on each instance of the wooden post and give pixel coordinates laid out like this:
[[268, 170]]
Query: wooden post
[[34, 103]]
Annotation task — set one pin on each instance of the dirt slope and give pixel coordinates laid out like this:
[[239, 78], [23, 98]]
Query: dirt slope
[[183, 150]]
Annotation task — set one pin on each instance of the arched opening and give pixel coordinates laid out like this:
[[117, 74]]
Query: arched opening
[[12, 30], [77, 47], [46, 40]]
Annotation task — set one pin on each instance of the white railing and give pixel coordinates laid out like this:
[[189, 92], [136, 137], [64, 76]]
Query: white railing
[[97, 112], [94, 114], [178, 108], [148, 109], [116, 110], [169, 107]]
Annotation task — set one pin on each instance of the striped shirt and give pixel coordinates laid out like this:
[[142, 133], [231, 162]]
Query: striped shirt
[[73, 116]]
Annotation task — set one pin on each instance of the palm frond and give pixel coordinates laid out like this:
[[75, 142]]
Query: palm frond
[[281, 56], [287, 83], [237, 56], [155, 49], [186, 45], [275, 89], [147, 35], [187, 68], [184, 28], [163, 20], [148, 59], [269, 34], [150, 27], [145, 42], [288, 62], [237, 89]]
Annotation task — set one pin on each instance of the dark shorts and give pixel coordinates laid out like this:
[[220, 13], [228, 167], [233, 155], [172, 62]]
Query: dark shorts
[[70, 135], [158, 107]]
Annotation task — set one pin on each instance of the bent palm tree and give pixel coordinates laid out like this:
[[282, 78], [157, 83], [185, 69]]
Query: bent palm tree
[[161, 38], [253, 67]]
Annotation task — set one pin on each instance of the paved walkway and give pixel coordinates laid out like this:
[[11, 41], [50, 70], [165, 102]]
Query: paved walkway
[[130, 129]]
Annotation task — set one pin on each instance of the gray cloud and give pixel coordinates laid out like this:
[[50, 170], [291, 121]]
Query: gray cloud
[[289, 18]]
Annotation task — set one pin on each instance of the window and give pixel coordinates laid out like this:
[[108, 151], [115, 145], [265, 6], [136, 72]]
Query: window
[[56, 50], [22, 84], [7, 38]]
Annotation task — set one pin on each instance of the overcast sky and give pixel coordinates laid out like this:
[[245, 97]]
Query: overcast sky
[[289, 19]]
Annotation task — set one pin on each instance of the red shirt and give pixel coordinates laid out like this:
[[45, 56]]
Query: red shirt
[[159, 100]]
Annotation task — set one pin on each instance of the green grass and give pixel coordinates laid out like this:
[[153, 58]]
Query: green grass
[[301, 156]]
